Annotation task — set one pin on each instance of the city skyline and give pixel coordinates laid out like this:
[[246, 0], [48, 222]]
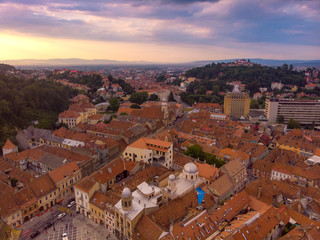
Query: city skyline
[[159, 31]]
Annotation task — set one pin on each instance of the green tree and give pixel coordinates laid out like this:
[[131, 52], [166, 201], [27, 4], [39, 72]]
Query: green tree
[[136, 106], [161, 78], [202, 90], [171, 97], [154, 97], [114, 104], [293, 124], [195, 151], [281, 119], [254, 104], [138, 98]]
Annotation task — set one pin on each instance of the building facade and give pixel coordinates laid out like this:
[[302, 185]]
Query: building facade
[[236, 104], [307, 112]]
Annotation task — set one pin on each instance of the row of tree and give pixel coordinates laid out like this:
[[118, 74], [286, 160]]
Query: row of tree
[[195, 151]]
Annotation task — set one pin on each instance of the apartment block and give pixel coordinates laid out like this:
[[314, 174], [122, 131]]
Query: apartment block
[[304, 111]]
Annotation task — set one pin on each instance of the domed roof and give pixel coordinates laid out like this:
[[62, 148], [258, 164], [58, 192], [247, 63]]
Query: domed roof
[[190, 168], [126, 193], [172, 177]]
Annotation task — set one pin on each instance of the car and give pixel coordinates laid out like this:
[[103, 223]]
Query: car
[[49, 224], [64, 236], [34, 234], [61, 215], [71, 204], [71, 200]]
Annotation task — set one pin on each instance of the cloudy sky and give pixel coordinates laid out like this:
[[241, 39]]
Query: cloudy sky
[[159, 30]]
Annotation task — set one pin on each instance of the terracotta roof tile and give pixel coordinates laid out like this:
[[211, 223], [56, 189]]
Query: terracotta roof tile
[[8, 145], [99, 200], [64, 171], [42, 186], [85, 184]]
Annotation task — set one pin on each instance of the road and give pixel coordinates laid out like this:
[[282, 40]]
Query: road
[[39, 224]]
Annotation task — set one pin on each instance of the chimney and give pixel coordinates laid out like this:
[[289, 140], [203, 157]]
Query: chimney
[[259, 192], [299, 207], [171, 226]]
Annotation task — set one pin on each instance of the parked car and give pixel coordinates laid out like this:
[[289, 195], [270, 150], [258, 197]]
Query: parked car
[[71, 200], [64, 236], [61, 215], [34, 234], [71, 204], [49, 224]]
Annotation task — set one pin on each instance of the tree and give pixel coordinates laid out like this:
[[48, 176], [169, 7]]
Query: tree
[[195, 151], [254, 104], [138, 98], [123, 113], [114, 104], [154, 97], [202, 90], [136, 106], [171, 97], [281, 119], [293, 124], [161, 78]]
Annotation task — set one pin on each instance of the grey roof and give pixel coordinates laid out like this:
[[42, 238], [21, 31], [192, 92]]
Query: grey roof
[[32, 132], [52, 161]]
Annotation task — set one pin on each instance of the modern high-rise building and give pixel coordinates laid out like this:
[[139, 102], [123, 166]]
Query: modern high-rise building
[[236, 103], [305, 111]]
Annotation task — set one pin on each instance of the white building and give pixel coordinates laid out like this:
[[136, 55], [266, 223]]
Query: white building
[[187, 181], [152, 151], [128, 211], [313, 160], [281, 172], [9, 147], [83, 191]]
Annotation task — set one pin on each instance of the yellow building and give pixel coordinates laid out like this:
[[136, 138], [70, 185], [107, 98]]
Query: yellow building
[[10, 210], [70, 118], [128, 212], [64, 178], [85, 110], [236, 104], [97, 206], [45, 191]]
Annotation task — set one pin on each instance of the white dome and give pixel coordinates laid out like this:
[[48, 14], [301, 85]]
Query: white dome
[[190, 168], [172, 177], [126, 193]]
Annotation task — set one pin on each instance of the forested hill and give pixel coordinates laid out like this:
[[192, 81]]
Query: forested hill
[[5, 67], [23, 101], [254, 77]]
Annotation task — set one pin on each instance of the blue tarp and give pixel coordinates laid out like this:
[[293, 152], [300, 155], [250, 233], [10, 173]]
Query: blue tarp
[[200, 195]]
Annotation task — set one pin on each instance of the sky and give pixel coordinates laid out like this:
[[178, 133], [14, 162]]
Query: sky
[[159, 30]]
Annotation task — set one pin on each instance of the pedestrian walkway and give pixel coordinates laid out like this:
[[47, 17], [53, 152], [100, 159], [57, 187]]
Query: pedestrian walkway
[[78, 227]]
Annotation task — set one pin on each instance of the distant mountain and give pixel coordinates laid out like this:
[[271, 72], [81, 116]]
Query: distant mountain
[[70, 62], [84, 62]]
